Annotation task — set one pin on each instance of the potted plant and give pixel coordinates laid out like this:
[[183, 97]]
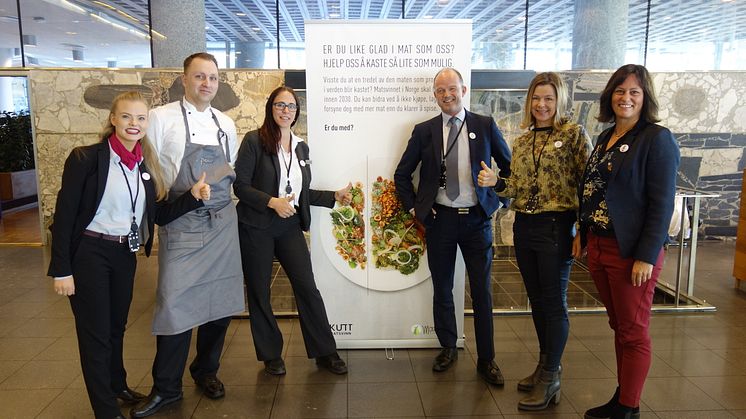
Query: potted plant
[[17, 174]]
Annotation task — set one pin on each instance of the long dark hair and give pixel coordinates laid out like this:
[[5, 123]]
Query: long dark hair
[[649, 111], [269, 132]]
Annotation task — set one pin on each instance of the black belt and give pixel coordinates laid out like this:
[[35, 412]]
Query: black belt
[[455, 210], [102, 236]]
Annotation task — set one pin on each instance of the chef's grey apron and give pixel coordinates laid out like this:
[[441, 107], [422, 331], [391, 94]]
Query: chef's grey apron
[[199, 276]]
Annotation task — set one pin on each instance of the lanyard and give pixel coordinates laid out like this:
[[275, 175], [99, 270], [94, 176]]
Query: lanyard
[[537, 161], [221, 134], [133, 201], [455, 140], [288, 188]]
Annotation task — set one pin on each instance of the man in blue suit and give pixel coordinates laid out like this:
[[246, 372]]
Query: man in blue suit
[[456, 208]]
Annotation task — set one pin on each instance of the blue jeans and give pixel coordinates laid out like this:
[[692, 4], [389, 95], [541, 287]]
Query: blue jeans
[[543, 250]]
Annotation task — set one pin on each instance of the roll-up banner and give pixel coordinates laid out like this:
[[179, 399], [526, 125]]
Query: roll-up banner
[[368, 83]]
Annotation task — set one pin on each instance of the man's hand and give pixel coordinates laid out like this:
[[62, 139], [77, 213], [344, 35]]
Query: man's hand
[[487, 177]]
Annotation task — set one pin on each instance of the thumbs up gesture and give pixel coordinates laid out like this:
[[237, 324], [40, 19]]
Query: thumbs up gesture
[[344, 196], [201, 190], [487, 176]]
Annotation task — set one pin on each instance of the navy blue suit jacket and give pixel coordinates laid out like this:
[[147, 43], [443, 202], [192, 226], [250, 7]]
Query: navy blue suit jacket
[[425, 148], [641, 189]]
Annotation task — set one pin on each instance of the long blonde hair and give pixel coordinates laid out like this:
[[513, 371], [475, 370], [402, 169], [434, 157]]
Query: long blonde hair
[[148, 152], [554, 80]]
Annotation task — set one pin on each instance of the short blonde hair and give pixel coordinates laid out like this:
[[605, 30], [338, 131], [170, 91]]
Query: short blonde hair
[[560, 90]]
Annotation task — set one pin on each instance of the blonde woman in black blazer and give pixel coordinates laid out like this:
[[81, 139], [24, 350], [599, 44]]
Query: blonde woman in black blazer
[[273, 177], [109, 194]]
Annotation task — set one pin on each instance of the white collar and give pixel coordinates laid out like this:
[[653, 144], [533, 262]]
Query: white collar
[[191, 108], [461, 116]]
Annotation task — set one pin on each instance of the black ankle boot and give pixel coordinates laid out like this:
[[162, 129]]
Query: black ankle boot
[[604, 411], [621, 411], [546, 389]]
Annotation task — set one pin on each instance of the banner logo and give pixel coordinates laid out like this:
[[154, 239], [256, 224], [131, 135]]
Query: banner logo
[[339, 329], [422, 329]]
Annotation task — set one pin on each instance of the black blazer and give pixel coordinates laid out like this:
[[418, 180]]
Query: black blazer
[[425, 147], [641, 189], [258, 179], [83, 183]]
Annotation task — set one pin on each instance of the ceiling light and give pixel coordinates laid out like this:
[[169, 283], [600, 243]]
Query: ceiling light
[[71, 33], [29, 40], [240, 14]]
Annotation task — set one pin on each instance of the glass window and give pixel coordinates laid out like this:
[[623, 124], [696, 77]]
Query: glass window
[[242, 34], [86, 34], [701, 35], [497, 30], [550, 29], [10, 42]]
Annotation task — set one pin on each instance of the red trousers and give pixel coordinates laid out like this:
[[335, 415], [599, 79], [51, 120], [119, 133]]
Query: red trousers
[[628, 308]]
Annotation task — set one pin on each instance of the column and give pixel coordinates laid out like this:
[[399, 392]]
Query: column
[[599, 34], [249, 54], [182, 22]]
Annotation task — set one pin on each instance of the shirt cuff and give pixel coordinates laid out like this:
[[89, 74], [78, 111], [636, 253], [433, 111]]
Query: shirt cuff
[[60, 278]]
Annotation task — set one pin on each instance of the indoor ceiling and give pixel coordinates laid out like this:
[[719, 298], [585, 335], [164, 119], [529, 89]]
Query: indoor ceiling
[[116, 30]]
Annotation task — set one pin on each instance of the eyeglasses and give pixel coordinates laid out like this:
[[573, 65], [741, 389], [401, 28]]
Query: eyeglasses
[[280, 106]]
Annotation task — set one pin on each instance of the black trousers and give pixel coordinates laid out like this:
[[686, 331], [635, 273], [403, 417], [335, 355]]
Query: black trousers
[[543, 247], [104, 273], [172, 352], [284, 239], [472, 233]]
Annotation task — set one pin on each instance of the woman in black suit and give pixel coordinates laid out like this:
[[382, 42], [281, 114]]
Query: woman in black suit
[[626, 202], [108, 196], [273, 177]]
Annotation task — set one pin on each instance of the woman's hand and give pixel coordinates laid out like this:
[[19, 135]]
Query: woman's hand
[[282, 206], [201, 190], [487, 176], [65, 286], [344, 196], [577, 247], [641, 272]]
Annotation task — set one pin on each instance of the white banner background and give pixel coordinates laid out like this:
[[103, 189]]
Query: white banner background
[[368, 84]]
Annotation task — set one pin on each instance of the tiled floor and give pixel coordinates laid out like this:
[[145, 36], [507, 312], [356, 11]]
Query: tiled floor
[[698, 371]]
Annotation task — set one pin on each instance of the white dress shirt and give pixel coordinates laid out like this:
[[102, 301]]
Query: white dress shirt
[[467, 196], [296, 177], [168, 134], [114, 213]]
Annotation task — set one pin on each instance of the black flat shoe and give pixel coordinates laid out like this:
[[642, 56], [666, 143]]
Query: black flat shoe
[[211, 386], [333, 363], [153, 404], [129, 396], [490, 372], [275, 367], [445, 359]]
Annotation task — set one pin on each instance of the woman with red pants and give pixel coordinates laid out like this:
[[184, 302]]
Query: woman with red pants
[[626, 202]]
